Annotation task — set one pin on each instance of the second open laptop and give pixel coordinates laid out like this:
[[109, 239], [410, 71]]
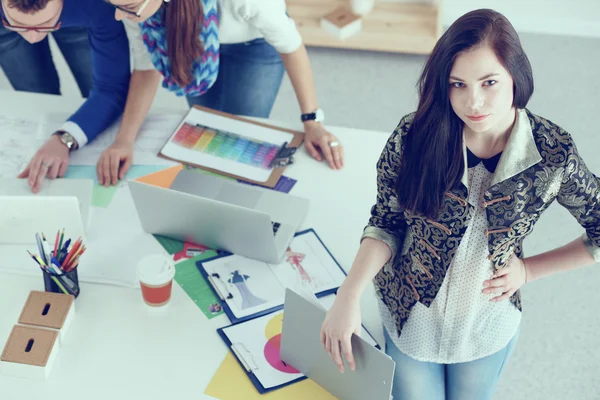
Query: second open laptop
[[221, 214]]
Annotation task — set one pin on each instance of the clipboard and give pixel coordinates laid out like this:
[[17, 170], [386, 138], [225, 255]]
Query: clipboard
[[217, 283], [251, 366], [283, 151]]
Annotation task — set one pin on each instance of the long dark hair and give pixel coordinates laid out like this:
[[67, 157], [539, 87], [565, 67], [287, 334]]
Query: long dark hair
[[432, 160], [183, 20]]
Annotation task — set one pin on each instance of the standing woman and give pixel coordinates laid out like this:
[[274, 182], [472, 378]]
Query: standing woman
[[228, 55], [461, 183]]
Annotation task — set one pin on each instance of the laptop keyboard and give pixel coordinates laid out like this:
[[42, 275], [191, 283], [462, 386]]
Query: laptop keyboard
[[276, 226]]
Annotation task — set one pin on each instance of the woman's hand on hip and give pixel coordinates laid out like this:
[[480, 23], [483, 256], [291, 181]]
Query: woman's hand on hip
[[507, 280]]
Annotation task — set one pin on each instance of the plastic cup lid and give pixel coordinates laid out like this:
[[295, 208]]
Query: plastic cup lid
[[155, 269]]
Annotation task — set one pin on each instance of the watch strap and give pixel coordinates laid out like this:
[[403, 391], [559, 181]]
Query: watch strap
[[308, 116]]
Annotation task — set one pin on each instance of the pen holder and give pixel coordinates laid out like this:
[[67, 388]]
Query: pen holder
[[67, 283]]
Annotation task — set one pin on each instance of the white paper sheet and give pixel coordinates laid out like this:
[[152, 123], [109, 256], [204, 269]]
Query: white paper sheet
[[19, 140], [257, 342], [153, 135], [257, 286], [80, 188], [245, 130], [115, 243]]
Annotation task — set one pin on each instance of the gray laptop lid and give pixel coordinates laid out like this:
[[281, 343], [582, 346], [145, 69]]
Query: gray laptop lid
[[214, 187], [208, 222], [301, 348], [281, 207]]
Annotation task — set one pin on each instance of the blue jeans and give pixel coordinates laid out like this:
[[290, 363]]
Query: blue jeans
[[250, 75], [474, 380], [30, 68]]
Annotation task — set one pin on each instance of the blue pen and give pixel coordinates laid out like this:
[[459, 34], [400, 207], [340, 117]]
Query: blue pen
[[55, 266], [63, 252], [66, 246]]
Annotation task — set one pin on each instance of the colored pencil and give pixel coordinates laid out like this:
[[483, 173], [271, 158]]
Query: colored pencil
[[56, 243]]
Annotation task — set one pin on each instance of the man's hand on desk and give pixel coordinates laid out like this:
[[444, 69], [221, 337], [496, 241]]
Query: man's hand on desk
[[50, 161], [114, 162]]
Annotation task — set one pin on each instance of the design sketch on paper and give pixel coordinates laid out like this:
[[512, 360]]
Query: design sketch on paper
[[18, 142], [294, 259], [248, 298]]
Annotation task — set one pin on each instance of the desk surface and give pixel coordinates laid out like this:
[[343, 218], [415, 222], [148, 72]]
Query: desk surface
[[116, 348]]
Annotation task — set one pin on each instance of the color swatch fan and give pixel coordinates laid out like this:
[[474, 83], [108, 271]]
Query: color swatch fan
[[232, 146]]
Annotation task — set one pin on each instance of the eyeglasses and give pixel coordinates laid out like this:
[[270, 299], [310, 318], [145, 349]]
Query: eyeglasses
[[129, 12], [40, 29]]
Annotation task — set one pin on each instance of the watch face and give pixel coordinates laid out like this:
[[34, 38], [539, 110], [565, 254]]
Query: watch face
[[67, 139], [320, 115]]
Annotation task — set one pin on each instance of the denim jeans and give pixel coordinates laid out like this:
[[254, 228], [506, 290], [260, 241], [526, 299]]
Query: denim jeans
[[474, 380], [30, 68], [250, 75]]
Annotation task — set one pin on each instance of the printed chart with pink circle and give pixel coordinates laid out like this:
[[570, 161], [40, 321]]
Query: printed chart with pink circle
[[273, 345], [257, 344]]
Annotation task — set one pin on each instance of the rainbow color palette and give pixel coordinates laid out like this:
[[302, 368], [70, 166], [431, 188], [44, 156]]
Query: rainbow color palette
[[226, 145]]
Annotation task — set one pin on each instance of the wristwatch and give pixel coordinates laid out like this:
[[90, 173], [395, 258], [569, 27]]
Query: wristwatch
[[318, 116], [67, 139]]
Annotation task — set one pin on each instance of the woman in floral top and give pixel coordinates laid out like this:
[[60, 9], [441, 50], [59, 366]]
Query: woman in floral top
[[461, 182]]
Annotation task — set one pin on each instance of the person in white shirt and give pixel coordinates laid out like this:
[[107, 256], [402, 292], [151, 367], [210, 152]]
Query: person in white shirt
[[228, 55]]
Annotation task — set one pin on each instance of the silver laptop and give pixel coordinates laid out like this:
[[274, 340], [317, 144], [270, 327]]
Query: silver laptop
[[302, 349], [249, 221]]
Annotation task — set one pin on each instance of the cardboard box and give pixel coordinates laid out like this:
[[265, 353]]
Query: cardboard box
[[29, 352], [49, 311], [342, 23]]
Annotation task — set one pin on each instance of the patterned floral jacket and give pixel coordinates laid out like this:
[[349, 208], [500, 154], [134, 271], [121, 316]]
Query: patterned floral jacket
[[539, 164]]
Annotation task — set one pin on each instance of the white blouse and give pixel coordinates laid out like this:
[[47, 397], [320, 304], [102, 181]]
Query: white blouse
[[461, 324], [239, 21]]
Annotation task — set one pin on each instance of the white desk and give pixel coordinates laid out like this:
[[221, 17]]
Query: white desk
[[115, 349]]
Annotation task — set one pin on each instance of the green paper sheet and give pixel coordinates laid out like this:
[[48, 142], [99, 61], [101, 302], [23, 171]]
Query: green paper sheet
[[193, 283], [172, 246], [102, 196]]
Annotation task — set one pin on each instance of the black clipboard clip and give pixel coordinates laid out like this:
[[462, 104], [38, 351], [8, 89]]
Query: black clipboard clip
[[283, 157], [211, 278]]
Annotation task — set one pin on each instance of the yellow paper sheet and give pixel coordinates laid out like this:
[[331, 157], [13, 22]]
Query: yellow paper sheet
[[231, 383]]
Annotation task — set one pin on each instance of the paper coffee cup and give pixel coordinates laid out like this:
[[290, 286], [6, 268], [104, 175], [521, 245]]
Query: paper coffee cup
[[155, 273]]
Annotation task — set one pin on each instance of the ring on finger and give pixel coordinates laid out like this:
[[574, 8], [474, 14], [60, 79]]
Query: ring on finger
[[334, 143]]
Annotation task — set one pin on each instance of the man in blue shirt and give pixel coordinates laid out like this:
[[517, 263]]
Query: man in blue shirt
[[30, 68], [34, 20]]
